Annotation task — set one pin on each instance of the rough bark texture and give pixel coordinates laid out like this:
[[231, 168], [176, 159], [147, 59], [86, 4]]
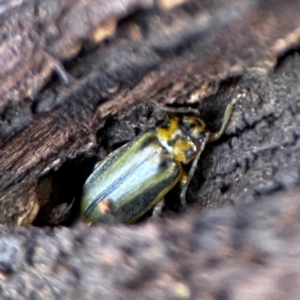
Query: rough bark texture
[[178, 55], [248, 252], [119, 55]]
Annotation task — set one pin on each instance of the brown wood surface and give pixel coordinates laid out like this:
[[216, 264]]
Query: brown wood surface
[[119, 57], [115, 53]]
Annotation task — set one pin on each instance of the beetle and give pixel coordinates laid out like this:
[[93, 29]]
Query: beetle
[[133, 178]]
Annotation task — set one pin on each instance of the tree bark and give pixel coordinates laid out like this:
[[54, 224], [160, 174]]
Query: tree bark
[[78, 78]]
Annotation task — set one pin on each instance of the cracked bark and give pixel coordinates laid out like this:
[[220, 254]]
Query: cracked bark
[[124, 55]]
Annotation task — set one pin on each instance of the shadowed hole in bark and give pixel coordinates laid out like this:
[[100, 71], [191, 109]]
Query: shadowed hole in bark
[[225, 188], [59, 192], [282, 59]]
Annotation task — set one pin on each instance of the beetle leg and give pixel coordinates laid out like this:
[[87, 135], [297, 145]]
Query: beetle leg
[[227, 115], [61, 72], [157, 210], [189, 176], [59, 69]]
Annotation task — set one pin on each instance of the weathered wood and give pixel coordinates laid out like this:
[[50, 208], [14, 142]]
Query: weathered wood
[[244, 253], [52, 129], [151, 53]]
